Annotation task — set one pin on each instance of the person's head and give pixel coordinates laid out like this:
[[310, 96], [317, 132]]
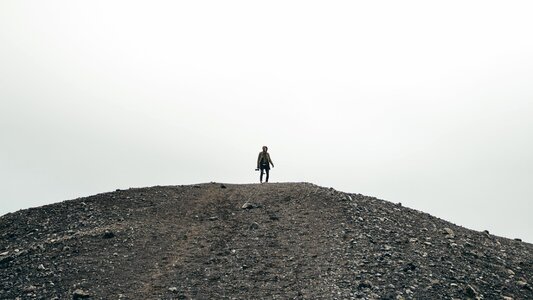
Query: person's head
[[265, 148]]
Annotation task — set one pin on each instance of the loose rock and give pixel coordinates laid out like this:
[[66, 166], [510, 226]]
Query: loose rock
[[108, 234], [448, 232], [80, 294], [182, 242], [254, 226], [249, 205], [470, 292]]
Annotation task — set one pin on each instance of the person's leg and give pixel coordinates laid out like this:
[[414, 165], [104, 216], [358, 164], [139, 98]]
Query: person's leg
[[267, 174], [261, 176]]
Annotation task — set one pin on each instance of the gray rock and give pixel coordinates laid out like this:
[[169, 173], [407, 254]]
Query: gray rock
[[274, 217], [448, 232], [249, 205], [80, 294], [30, 289], [364, 284], [254, 226], [471, 292], [386, 248], [409, 267], [108, 234]]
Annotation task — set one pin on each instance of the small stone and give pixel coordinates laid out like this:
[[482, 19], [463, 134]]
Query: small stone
[[510, 272], [448, 232], [41, 267], [470, 291], [409, 267], [108, 234], [365, 284], [4, 253], [213, 218], [518, 240], [274, 217], [507, 298], [521, 283], [173, 289], [222, 186], [248, 205], [254, 226], [80, 294], [30, 289]]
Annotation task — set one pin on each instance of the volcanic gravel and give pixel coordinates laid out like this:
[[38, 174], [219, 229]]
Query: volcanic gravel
[[254, 241]]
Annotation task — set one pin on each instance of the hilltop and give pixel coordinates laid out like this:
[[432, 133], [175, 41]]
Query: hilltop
[[270, 241]]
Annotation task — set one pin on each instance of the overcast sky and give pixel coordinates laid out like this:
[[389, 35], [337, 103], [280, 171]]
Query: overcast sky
[[428, 103]]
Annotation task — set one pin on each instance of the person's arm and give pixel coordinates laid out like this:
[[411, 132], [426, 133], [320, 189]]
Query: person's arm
[[258, 160], [270, 160]]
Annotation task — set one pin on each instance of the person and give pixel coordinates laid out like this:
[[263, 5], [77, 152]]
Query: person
[[263, 163]]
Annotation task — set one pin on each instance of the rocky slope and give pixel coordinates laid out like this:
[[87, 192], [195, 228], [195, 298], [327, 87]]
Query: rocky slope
[[270, 241]]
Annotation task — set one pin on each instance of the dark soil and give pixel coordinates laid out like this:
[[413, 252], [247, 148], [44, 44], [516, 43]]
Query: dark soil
[[270, 241]]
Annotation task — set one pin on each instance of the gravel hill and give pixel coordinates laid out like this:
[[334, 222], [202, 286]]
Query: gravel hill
[[270, 241]]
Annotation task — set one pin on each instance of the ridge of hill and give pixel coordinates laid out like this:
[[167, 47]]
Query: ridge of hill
[[251, 241]]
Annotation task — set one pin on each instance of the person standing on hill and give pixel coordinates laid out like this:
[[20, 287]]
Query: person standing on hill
[[263, 163]]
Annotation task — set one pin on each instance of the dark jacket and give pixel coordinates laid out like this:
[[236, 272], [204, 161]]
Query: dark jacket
[[265, 158]]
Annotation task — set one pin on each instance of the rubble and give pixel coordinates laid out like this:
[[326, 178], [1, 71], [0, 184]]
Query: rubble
[[201, 242]]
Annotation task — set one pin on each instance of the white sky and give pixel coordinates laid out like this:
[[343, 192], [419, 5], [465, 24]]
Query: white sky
[[421, 102]]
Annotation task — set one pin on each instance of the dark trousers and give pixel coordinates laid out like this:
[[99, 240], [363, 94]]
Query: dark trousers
[[264, 168]]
